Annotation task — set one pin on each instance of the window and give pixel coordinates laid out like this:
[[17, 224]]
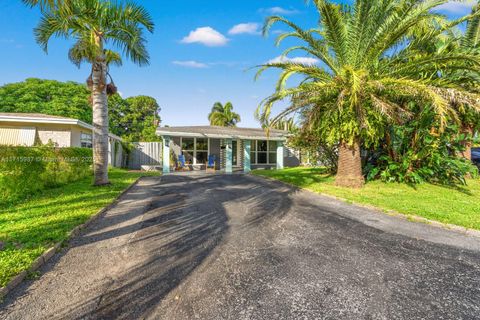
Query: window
[[86, 140], [188, 149], [201, 151], [263, 152], [195, 150]]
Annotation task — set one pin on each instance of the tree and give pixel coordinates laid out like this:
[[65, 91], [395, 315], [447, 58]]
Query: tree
[[468, 108], [363, 81], [223, 116], [65, 99], [45, 4], [92, 25], [135, 118]]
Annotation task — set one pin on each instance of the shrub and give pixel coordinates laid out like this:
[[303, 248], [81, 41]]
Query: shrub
[[418, 152], [26, 170]]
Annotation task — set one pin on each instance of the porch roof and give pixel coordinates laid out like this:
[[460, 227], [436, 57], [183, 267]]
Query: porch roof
[[223, 133]]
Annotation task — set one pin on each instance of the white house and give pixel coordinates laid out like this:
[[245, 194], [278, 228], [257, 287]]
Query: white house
[[29, 129]]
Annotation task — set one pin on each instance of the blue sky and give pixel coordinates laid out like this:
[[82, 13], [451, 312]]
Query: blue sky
[[200, 52]]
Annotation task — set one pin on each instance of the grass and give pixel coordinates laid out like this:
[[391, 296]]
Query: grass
[[453, 205], [30, 227]]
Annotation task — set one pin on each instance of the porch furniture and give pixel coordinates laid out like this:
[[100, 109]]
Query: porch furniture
[[210, 165], [181, 165]]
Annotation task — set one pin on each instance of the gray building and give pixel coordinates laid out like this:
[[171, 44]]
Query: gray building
[[234, 148]]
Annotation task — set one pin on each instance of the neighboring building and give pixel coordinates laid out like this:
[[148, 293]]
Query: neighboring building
[[29, 129], [234, 148]]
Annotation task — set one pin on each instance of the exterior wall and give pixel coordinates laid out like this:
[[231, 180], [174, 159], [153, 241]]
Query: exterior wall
[[17, 136], [291, 157], [75, 136], [60, 134]]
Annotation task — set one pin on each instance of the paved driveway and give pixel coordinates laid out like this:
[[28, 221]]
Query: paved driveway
[[240, 247]]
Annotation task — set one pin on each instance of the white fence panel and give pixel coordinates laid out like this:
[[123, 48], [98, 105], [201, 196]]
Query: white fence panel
[[145, 154]]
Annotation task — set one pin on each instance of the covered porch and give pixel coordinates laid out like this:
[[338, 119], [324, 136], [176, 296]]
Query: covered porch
[[234, 149]]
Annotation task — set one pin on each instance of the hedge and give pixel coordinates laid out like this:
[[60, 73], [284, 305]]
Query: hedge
[[26, 170]]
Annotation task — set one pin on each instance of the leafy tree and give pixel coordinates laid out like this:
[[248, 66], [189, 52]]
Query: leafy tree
[[416, 152], [363, 81], [93, 25], [223, 116], [66, 99], [135, 118]]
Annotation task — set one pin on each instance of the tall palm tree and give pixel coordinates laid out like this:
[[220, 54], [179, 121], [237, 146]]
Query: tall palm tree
[[361, 83], [94, 25], [223, 116]]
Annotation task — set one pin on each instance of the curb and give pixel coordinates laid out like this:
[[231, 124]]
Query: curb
[[50, 252], [393, 213]]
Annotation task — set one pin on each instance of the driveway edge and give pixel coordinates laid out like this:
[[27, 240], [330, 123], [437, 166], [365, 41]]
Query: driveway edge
[[50, 252], [393, 213]]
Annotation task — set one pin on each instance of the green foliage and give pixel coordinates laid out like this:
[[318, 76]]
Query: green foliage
[[28, 170], [416, 152], [135, 118], [369, 68], [120, 25], [65, 99], [31, 226], [317, 151], [223, 116], [457, 205]]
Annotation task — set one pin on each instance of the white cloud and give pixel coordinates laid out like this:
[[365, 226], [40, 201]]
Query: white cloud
[[191, 64], [456, 7], [245, 28], [279, 11], [300, 60], [206, 36]]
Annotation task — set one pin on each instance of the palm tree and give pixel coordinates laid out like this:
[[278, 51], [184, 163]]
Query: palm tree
[[223, 116], [362, 80], [94, 24], [45, 4], [468, 107]]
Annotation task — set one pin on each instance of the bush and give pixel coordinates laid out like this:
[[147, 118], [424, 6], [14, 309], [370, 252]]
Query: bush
[[27, 170], [418, 152]]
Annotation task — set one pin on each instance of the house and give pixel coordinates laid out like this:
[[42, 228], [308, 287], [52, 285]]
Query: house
[[29, 129], [234, 148]]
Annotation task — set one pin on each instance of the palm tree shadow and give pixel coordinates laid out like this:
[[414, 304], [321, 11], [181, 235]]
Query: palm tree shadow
[[182, 227]]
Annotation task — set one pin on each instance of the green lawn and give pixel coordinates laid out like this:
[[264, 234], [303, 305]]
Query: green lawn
[[459, 206], [30, 227]]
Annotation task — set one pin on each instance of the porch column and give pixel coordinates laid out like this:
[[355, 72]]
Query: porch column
[[166, 155], [228, 156], [246, 156], [280, 154]]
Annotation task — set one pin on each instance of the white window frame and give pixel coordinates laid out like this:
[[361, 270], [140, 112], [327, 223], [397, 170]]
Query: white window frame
[[84, 140], [195, 148], [267, 152]]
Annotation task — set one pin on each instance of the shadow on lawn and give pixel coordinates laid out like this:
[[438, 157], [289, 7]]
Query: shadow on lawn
[[183, 223]]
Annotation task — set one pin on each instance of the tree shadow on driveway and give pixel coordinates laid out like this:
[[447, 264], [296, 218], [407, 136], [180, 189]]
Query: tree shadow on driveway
[[144, 247]]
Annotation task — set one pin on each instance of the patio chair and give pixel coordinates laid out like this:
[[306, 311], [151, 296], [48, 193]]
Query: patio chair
[[210, 165], [181, 165]]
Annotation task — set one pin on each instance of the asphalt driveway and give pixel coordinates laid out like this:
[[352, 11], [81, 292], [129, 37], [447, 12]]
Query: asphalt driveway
[[240, 247]]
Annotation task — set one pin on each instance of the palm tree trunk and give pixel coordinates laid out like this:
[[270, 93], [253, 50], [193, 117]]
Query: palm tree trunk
[[100, 122], [467, 143], [349, 173]]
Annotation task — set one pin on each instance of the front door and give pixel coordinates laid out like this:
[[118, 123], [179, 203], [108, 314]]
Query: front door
[[234, 152]]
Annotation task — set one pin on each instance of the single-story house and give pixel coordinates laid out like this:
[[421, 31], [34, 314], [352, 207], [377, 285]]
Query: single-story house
[[234, 148], [29, 129]]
